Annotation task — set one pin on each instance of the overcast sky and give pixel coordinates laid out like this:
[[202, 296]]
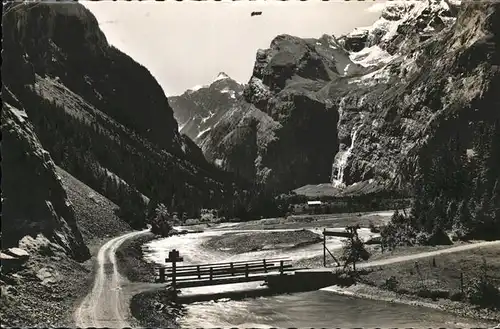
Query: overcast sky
[[188, 43]]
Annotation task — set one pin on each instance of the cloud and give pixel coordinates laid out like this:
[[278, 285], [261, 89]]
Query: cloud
[[376, 8]]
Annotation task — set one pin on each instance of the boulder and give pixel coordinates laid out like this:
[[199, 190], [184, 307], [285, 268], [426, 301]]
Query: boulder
[[48, 276], [18, 253], [6, 258], [10, 263]]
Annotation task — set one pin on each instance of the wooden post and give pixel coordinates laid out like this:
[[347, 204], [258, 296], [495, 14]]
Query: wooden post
[[281, 267], [211, 273], [162, 274], [174, 266], [265, 267], [462, 283], [232, 269], [246, 270], [324, 247], [198, 269]]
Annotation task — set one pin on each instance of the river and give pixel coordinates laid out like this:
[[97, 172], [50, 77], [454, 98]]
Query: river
[[321, 308]]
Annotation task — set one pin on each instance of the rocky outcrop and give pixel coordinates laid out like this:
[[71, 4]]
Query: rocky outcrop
[[34, 201], [325, 98], [368, 79]]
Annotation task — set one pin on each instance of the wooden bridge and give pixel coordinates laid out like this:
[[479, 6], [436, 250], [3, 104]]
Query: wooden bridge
[[274, 271], [198, 275]]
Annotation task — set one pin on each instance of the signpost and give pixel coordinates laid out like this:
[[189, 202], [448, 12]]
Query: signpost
[[326, 233], [173, 257]]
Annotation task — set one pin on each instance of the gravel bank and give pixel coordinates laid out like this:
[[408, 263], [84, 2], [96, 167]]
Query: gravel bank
[[310, 221], [237, 243], [156, 310]]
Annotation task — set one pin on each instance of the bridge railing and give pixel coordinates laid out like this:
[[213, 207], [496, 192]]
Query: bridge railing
[[224, 270]]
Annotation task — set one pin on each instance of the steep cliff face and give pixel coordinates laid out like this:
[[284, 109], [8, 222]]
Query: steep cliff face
[[383, 113], [294, 129], [369, 103], [327, 97], [34, 201], [99, 113], [235, 142], [458, 178], [201, 107], [36, 37]]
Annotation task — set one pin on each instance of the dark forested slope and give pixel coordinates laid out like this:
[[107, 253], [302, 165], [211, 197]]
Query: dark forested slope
[[102, 116]]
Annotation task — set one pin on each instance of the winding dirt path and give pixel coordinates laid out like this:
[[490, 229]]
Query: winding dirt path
[[107, 304], [426, 254]]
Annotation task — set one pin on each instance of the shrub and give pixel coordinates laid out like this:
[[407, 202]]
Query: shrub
[[433, 294], [373, 228], [391, 283], [400, 231], [354, 249], [435, 238], [483, 293], [457, 296], [161, 223]]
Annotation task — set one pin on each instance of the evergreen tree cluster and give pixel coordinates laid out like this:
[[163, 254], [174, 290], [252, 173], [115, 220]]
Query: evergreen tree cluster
[[160, 219], [93, 150], [121, 165], [253, 203], [457, 188]]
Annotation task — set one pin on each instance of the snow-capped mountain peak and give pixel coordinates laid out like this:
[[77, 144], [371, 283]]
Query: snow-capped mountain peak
[[415, 20], [200, 108], [221, 76]]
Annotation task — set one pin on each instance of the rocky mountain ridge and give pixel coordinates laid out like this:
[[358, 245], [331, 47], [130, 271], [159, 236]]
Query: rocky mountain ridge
[[78, 60], [200, 108], [353, 110], [376, 137], [270, 137], [100, 114]]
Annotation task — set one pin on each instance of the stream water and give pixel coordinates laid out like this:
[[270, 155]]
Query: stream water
[[321, 308]]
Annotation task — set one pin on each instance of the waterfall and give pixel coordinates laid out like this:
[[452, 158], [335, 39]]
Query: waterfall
[[341, 160]]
